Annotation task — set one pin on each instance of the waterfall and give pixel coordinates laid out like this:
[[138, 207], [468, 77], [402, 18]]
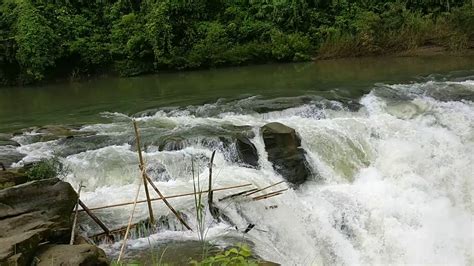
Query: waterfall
[[395, 173]]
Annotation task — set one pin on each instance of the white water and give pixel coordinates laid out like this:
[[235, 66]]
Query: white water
[[395, 186]]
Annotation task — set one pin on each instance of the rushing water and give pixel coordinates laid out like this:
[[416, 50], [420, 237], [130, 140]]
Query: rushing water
[[392, 142]]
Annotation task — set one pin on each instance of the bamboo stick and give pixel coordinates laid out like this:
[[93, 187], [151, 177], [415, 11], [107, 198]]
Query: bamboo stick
[[167, 197], [166, 201], [122, 249], [278, 191], [142, 168], [210, 194], [237, 194], [264, 188], [97, 220], [76, 212], [268, 196]]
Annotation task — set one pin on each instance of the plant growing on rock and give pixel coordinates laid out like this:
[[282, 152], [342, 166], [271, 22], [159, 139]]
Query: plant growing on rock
[[47, 168]]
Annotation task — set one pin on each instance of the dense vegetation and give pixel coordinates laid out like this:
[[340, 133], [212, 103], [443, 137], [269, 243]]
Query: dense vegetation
[[44, 39]]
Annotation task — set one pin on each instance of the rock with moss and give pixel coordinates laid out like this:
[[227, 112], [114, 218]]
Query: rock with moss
[[11, 178]]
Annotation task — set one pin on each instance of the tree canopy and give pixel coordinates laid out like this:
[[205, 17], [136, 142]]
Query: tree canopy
[[44, 39]]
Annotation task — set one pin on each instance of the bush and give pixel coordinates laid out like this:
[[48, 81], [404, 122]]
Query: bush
[[48, 168], [237, 256]]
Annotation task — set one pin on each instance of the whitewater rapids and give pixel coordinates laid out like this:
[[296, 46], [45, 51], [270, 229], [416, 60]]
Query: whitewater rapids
[[394, 185]]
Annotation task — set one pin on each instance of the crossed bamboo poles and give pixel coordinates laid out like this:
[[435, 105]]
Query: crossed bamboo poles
[[147, 180]]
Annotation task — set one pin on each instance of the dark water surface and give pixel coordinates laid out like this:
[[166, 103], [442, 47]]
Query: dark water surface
[[82, 102]]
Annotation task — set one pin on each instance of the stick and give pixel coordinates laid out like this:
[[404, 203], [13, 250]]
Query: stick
[[237, 194], [268, 196], [142, 168], [271, 193], [76, 212], [130, 221], [99, 222], [167, 197], [210, 195], [166, 201], [264, 188]]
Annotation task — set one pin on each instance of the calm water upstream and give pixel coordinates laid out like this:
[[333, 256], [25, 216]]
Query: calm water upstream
[[390, 142]]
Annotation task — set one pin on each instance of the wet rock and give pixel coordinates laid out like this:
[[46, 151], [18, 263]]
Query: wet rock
[[285, 153], [8, 156], [157, 172], [172, 144], [84, 254], [246, 151], [78, 144], [5, 140], [10, 179], [33, 213]]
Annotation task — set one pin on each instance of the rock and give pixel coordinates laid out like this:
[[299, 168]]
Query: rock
[[33, 213], [246, 151], [5, 140], [10, 178], [83, 254], [285, 153], [9, 156]]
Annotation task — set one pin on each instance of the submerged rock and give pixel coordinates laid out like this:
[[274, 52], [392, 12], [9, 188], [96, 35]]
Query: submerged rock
[[33, 213], [285, 153], [84, 254]]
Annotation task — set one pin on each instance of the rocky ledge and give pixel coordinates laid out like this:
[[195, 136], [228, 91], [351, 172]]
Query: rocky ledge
[[35, 218]]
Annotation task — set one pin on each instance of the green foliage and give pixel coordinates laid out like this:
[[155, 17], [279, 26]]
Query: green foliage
[[48, 39], [48, 168], [37, 43], [236, 256]]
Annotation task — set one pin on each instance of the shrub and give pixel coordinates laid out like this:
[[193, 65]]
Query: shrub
[[48, 168]]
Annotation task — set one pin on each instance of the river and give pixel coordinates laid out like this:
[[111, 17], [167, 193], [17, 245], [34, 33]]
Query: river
[[391, 141]]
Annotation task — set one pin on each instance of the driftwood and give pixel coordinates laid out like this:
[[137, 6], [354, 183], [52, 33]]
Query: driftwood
[[167, 197], [142, 169]]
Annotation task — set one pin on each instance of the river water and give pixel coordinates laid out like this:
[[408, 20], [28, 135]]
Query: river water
[[391, 141]]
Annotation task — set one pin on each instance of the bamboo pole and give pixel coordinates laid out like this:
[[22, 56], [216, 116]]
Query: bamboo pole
[[76, 212], [167, 197], [271, 193], [237, 194], [166, 201], [268, 196], [97, 220], [122, 249], [210, 194], [142, 169], [264, 188]]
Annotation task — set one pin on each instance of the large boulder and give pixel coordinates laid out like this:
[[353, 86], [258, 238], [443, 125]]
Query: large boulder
[[284, 151], [84, 254], [33, 213]]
